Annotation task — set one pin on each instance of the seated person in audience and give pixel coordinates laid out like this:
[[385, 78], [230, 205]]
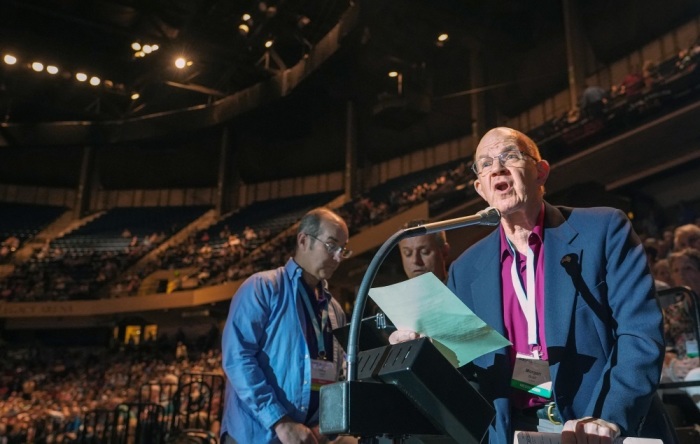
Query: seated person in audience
[[651, 75], [661, 271], [632, 85], [592, 100], [682, 346], [12, 242], [683, 59], [686, 236]]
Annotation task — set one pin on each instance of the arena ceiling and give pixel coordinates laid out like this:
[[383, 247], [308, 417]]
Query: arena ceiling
[[521, 43]]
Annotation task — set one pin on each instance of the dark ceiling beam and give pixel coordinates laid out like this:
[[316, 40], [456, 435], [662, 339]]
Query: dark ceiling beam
[[197, 88]]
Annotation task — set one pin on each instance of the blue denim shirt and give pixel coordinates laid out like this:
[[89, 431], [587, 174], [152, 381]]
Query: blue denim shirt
[[265, 355]]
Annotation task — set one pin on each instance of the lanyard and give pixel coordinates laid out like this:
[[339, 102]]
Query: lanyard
[[526, 300], [320, 341]]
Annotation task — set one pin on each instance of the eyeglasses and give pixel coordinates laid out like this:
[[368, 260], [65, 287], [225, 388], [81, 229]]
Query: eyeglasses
[[334, 249], [509, 158]]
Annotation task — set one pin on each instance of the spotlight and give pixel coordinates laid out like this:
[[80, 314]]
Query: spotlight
[[10, 59], [393, 74], [81, 77], [443, 37], [94, 81], [243, 29], [269, 43], [135, 96], [52, 69], [136, 46], [245, 17], [37, 66], [180, 63], [147, 49]]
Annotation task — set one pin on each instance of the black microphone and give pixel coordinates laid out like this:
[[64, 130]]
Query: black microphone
[[488, 216]]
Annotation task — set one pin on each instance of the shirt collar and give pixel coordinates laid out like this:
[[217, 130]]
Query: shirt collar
[[537, 231], [294, 271]]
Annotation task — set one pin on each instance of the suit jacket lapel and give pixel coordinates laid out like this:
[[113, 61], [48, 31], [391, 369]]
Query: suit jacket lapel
[[486, 287], [560, 293]]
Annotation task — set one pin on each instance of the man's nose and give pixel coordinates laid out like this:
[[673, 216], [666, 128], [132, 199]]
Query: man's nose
[[498, 165]]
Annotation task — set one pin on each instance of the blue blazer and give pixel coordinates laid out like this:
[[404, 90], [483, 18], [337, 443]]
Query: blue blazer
[[602, 321]]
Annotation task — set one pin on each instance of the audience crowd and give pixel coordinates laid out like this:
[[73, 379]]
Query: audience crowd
[[651, 87], [674, 257], [46, 394]]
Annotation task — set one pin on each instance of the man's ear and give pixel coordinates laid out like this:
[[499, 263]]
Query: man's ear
[[477, 187], [543, 169], [302, 239], [445, 250]]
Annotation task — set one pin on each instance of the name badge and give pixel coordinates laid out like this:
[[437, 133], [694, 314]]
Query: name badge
[[322, 373], [532, 375]]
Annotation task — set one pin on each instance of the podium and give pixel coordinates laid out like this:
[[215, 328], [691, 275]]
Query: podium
[[405, 389]]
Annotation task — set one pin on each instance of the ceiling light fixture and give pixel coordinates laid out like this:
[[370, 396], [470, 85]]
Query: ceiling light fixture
[[81, 77], [38, 66], [52, 69], [9, 59]]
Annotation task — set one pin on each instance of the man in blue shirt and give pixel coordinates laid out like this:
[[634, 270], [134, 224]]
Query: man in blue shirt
[[277, 345]]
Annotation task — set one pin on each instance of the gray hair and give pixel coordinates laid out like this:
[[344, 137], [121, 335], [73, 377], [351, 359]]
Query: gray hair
[[311, 222]]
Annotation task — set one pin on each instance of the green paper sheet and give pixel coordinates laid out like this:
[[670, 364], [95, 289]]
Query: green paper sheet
[[425, 305]]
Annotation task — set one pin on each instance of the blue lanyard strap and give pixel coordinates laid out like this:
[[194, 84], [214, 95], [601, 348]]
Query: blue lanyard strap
[[321, 343]]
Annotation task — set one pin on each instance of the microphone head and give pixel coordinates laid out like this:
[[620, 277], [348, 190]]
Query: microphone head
[[489, 216]]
